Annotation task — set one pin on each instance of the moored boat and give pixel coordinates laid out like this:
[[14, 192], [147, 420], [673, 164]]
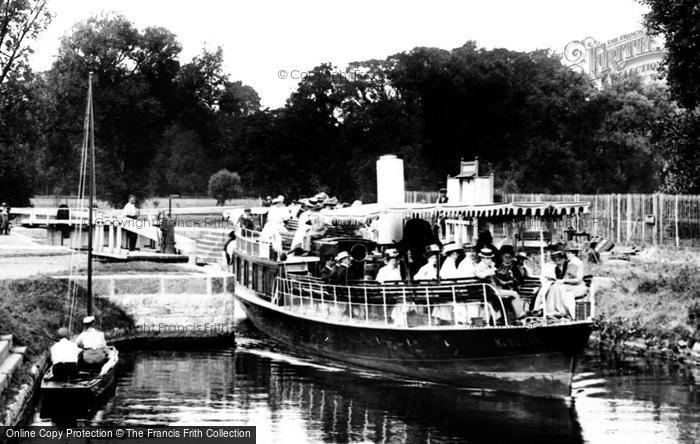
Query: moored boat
[[86, 384]]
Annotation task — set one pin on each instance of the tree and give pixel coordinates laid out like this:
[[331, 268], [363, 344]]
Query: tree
[[20, 21], [224, 185], [678, 137], [679, 22], [134, 73]]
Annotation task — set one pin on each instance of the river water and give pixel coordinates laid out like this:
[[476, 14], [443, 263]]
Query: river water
[[294, 399]]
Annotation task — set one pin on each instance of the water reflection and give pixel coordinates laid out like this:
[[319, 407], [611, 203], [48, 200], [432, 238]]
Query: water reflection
[[295, 399]]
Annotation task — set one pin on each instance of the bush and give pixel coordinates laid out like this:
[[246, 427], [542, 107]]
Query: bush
[[224, 185]]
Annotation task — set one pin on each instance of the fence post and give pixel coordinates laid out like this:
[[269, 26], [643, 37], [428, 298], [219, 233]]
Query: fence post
[[661, 220], [628, 216], [678, 239], [619, 219], [643, 218]]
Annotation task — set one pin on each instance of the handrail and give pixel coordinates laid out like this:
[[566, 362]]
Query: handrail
[[433, 305]]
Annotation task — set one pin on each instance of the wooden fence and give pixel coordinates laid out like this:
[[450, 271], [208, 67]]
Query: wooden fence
[[670, 220]]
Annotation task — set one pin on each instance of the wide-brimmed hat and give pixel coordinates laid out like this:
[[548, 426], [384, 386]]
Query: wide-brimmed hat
[[342, 255], [486, 253], [391, 253], [451, 248], [557, 253], [431, 250], [88, 319], [468, 247], [507, 249], [522, 255]]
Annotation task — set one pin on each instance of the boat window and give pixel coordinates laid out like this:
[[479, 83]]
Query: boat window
[[254, 277], [246, 273], [260, 278]]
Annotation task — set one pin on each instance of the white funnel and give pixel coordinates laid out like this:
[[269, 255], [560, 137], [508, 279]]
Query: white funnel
[[390, 181]]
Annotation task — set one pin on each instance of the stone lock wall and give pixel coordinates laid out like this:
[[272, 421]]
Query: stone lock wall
[[171, 305]]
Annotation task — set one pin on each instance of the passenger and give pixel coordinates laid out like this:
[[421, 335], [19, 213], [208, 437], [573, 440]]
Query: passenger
[[342, 270], [520, 259], [442, 199], [467, 266], [486, 271], [245, 222], [449, 265], [508, 275], [328, 268], [485, 240], [429, 271], [563, 283], [93, 343], [64, 357], [272, 231], [391, 271]]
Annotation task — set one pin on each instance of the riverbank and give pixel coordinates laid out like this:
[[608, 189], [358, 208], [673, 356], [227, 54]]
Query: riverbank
[[650, 305]]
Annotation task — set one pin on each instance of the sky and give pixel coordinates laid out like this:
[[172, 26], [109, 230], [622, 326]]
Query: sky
[[270, 44]]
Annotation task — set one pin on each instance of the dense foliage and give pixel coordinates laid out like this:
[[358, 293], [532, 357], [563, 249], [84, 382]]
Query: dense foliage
[[679, 22], [165, 126]]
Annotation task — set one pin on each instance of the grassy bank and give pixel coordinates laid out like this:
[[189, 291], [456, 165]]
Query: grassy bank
[[32, 310], [651, 301]]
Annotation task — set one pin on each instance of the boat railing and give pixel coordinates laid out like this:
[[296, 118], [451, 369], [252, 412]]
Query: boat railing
[[431, 305], [250, 243]]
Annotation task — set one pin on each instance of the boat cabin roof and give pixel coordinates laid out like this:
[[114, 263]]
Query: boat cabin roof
[[514, 210]]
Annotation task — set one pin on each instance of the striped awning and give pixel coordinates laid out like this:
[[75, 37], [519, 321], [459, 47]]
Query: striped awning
[[366, 213]]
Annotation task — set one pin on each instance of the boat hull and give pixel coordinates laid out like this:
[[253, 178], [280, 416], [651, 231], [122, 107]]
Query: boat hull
[[537, 361]]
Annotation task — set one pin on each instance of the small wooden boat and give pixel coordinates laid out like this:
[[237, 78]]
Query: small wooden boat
[[88, 385]]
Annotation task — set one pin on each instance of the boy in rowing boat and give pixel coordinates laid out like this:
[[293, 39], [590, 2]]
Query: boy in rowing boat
[[64, 357]]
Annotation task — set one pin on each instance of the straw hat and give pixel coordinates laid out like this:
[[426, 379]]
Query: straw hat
[[486, 253], [342, 255], [522, 255], [88, 319], [451, 248]]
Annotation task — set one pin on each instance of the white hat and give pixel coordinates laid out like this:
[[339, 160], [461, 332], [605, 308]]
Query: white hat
[[88, 319], [486, 253], [342, 255], [451, 247], [391, 253], [278, 199]]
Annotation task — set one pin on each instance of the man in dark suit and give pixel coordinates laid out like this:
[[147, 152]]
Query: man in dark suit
[[342, 270], [328, 269]]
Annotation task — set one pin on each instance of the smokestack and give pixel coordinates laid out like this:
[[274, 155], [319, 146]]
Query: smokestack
[[390, 180]]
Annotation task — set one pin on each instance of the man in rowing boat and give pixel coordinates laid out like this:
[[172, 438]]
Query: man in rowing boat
[[64, 357], [93, 343]]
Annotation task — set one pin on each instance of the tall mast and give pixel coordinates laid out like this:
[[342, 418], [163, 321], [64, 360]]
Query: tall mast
[[91, 175]]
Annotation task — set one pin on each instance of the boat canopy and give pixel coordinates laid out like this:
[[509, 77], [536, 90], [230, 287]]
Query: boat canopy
[[513, 210]]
